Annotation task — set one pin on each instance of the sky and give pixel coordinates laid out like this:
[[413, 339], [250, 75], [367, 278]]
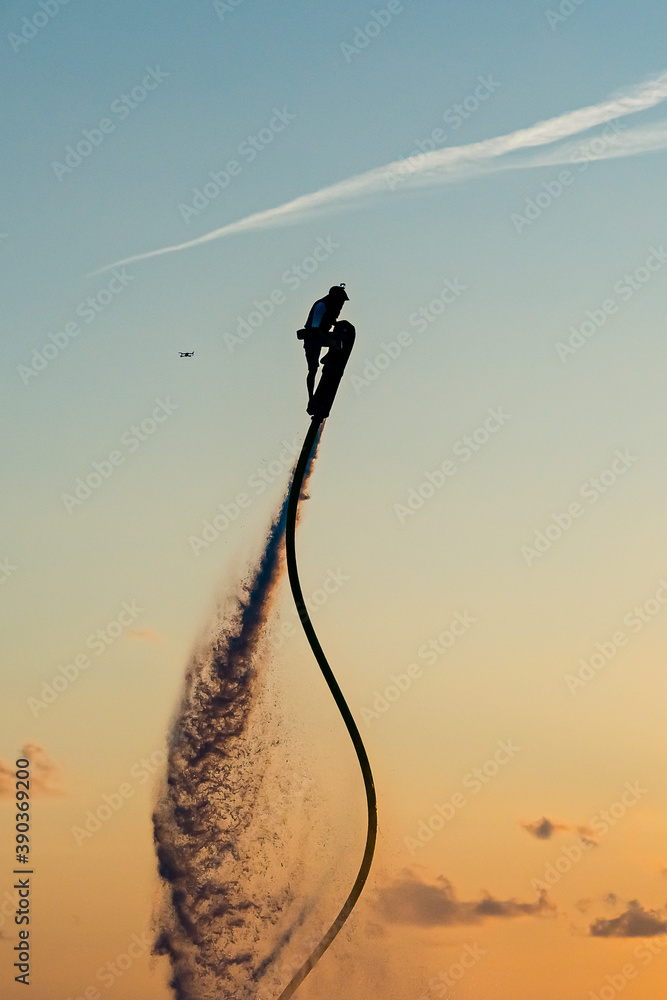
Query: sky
[[487, 503]]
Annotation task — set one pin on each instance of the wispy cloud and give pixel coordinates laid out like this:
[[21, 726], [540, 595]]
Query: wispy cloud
[[545, 828], [146, 635], [414, 900], [629, 142], [45, 776], [458, 163]]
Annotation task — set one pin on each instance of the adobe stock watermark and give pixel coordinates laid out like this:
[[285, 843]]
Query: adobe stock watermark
[[646, 952], [122, 107], [113, 802], [224, 7], [294, 960], [378, 21], [465, 449], [112, 971], [248, 150], [430, 651], [600, 824], [289, 800], [88, 311], [564, 11], [551, 191], [130, 442], [474, 781], [447, 980], [7, 570], [625, 288], [635, 620], [292, 279], [592, 491], [420, 320], [455, 115], [98, 643], [332, 583], [31, 26], [258, 483], [8, 907]]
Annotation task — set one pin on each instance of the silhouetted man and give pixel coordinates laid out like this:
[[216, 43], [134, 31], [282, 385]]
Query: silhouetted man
[[316, 333], [333, 366]]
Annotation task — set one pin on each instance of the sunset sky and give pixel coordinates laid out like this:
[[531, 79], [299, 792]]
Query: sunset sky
[[487, 506]]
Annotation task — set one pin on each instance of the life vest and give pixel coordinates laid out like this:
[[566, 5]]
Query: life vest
[[320, 319]]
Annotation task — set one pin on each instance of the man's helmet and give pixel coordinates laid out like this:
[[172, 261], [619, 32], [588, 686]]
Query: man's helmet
[[338, 292]]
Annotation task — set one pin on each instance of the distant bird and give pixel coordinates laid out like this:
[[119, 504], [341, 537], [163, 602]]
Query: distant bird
[[186, 354]]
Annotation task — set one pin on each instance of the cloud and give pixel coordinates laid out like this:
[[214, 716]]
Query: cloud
[[544, 829], [45, 776], [630, 142], [458, 163], [610, 901], [634, 922], [7, 779], [411, 899], [146, 635]]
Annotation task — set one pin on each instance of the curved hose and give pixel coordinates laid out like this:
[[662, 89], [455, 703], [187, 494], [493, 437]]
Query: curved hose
[[371, 801]]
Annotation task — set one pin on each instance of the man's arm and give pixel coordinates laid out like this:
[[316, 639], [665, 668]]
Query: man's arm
[[326, 330], [317, 322]]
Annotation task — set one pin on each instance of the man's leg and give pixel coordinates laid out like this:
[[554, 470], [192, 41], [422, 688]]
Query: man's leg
[[313, 359], [310, 381]]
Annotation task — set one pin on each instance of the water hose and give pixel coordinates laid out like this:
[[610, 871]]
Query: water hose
[[371, 835]]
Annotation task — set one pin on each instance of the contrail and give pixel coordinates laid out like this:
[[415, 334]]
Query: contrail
[[630, 142], [229, 909], [458, 163]]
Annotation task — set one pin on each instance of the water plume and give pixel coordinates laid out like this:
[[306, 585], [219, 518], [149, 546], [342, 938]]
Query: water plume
[[229, 869]]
